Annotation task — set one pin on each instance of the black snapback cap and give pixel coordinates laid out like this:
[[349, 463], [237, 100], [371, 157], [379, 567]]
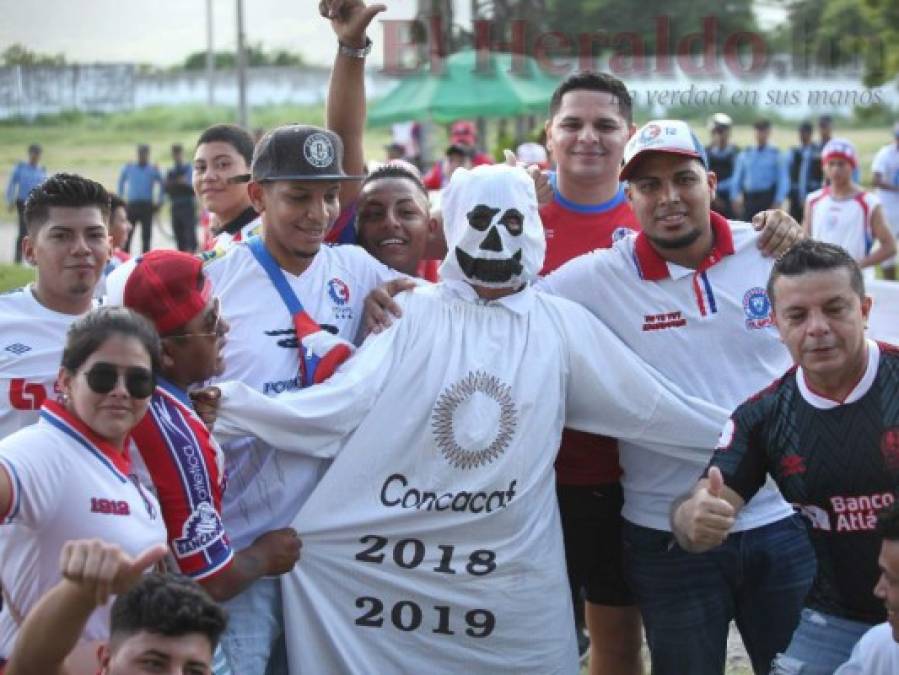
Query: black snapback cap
[[299, 152]]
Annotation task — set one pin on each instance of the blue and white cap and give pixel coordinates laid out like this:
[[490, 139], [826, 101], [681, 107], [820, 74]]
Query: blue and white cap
[[669, 136]]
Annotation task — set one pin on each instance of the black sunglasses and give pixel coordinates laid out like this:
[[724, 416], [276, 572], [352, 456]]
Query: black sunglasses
[[102, 379]]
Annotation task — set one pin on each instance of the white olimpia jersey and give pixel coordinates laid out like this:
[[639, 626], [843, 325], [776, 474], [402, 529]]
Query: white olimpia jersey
[[32, 338]]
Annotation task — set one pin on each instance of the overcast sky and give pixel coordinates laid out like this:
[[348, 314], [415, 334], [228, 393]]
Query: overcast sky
[[164, 32]]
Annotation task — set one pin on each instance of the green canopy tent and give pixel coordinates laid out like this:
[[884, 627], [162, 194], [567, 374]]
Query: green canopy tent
[[464, 90]]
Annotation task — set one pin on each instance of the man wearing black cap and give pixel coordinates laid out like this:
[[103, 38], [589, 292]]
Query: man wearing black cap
[[760, 178], [178, 186], [25, 177], [293, 306], [284, 295]]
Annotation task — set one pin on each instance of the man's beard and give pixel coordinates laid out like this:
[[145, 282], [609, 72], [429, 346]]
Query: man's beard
[[79, 288], [682, 241]]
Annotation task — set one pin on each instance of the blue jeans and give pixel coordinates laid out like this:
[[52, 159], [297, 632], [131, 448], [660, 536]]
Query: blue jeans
[[820, 645], [253, 642], [758, 578]]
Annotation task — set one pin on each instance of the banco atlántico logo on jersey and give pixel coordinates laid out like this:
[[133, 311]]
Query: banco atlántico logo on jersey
[[474, 420]]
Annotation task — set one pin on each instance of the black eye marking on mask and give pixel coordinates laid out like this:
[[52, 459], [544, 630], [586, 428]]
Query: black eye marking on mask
[[513, 219], [481, 216]]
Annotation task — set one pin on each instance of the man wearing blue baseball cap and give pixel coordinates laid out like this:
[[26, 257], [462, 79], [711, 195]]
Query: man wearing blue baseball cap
[[687, 294]]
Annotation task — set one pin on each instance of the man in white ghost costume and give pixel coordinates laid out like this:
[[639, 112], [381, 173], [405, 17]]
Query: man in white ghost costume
[[433, 544]]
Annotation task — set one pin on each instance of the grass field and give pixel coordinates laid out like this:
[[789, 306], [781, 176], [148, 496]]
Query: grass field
[[14, 276], [98, 145]]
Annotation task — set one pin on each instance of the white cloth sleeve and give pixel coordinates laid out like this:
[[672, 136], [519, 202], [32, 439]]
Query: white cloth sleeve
[[611, 391], [879, 163], [36, 478], [855, 665], [314, 420], [568, 281]]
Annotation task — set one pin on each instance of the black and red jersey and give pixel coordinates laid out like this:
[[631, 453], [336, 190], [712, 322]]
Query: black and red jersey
[[837, 462]]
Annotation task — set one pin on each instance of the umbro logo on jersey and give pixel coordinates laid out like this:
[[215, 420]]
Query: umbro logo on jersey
[[18, 348], [792, 465], [663, 321]]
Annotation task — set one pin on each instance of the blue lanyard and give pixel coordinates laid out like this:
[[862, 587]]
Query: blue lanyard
[[308, 361], [275, 274]]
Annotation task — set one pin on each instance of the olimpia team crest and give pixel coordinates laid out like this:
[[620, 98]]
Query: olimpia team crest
[[474, 420]]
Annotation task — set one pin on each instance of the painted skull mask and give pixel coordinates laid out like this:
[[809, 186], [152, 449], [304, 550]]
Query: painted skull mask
[[493, 231]]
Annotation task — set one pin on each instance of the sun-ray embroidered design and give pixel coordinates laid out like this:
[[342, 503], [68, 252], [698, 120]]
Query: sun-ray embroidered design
[[444, 423]]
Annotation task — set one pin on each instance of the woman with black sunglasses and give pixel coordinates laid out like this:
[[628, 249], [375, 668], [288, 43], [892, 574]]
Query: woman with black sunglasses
[[69, 476]]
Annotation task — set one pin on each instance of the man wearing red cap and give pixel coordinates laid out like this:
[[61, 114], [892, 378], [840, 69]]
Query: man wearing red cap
[[464, 136], [844, 214], [465, 132], [183, 462]]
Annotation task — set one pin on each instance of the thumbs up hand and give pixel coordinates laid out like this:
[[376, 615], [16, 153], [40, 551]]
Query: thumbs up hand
[[703, 521], [716, 482]]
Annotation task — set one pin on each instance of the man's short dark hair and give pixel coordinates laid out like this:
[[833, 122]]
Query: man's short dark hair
[[815, 256], [167, 604], [63, 189], [395, 171], [235, 136], [115, 202], [591, 81], [888, 522]]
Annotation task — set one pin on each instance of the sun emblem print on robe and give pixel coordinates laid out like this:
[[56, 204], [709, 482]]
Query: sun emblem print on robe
[[474, 420]]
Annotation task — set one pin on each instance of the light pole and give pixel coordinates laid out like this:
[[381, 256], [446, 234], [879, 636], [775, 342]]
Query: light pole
[[241, 70], [210, 57]]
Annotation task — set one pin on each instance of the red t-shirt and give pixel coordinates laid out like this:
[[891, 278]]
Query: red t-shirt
[[572, 230]]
